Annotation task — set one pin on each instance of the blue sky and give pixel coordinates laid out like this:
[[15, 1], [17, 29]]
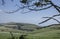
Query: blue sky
[[33, 17]]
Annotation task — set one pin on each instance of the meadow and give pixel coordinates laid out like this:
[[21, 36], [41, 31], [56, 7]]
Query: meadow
[[52, 32]]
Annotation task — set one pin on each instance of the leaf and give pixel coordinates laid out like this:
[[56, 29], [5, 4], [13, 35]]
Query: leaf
[[24, 1], [37, 4], [46, 0]]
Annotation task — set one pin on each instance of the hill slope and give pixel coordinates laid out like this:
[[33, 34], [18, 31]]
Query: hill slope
[[51, 32], [48, 32], [18, 26]]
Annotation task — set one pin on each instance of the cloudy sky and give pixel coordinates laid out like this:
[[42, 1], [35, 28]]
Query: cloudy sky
[[33, 17]]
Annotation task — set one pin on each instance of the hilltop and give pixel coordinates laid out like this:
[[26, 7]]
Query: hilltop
[[19, 26]]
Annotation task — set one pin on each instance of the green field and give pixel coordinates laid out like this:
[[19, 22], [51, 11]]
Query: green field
[[52, 32], [55, 34]]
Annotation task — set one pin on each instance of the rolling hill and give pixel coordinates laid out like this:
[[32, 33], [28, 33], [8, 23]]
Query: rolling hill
[[46, 32], [18, 26]]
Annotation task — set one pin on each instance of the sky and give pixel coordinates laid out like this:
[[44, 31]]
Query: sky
[[33, 17]]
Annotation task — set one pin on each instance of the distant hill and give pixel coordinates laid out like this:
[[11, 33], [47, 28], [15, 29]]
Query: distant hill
[[21, 26], [26, 26]]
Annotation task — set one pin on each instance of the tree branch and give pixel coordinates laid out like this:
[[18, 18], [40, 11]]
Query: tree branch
[[49, 19], [3, 2], [53, 19], [55, 6], [39, 9]]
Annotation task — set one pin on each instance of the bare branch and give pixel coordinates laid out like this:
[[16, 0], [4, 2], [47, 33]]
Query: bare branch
[[18, 9], [3, 2], [44, 21], [39, 9], [55, 6], [49, 19], [53, 19]]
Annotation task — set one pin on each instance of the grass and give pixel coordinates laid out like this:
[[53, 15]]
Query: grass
[[54, 34], [6, 35], [45, 33]]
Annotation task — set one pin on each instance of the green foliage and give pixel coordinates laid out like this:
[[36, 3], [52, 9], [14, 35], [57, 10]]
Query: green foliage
[[37, 4], [24, 1], [47, 0]]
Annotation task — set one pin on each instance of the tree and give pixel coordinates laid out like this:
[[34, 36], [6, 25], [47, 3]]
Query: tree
[[35, 5], [22, 36], [12, 35]]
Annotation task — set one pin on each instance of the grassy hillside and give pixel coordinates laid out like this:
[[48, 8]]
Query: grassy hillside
[[6, 28], [7, 35], [17, 26], [48, 32], [55, 34]]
